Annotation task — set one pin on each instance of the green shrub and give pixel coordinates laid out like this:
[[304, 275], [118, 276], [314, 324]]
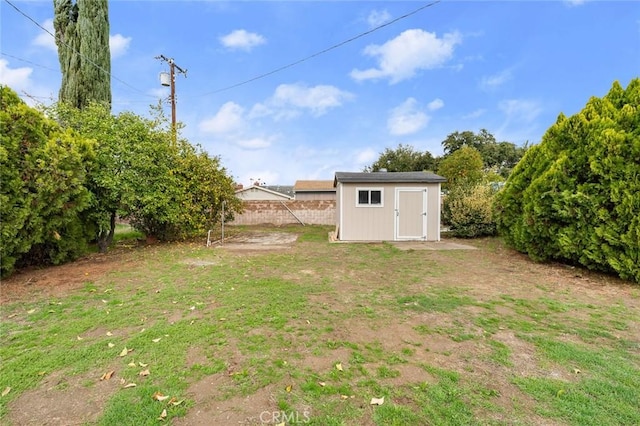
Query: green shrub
[[467, 209], [575, 197], [42, 192]]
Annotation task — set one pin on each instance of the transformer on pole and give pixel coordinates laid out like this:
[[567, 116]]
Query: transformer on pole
[[170, 80]]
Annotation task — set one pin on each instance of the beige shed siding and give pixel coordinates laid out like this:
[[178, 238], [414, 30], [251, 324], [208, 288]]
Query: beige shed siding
[[379, 223]]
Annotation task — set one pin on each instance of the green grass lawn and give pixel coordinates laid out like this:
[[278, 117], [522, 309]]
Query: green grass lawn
[[310, 334]]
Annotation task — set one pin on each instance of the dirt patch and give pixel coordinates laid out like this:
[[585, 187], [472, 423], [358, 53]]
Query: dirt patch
[[63, 400], [61, 280], [211, 407]]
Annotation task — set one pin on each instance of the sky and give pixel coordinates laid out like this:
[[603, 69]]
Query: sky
[[296, 90]]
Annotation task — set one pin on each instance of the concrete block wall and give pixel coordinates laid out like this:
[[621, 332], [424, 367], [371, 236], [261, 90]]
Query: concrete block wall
[[311, 212]]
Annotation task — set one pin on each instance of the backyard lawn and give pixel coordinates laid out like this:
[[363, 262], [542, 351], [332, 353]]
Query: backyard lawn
[[304, 331]]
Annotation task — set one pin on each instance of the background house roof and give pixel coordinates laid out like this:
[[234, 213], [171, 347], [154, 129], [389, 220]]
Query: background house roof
[[269, 189], [282, 189], [387, 177], [313, 186]]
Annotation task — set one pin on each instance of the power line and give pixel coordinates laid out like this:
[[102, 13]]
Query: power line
[[28, 62], [81, 55], [328, 49]]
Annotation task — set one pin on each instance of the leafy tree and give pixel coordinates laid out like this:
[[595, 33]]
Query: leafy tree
[[403, 159], [42, 192], [82, 37], [499, 156], [464, 166], [575, 196], [166, 191]]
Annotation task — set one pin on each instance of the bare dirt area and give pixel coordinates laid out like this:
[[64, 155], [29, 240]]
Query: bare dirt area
[[58, 281], [484, 270]]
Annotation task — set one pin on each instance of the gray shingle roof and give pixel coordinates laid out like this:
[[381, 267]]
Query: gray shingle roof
[[387, 177]]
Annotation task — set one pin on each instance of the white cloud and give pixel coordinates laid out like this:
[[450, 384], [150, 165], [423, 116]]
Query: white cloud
[[475, 114], [229, 118], [378, 17], [16, 78], [366, 156], [520, 110], [575, 2], [242, 40], [44, 39], [413, 50], [289, 100], [435, 104], [118, 45], [407, 118], [254, 143], [494, 81]]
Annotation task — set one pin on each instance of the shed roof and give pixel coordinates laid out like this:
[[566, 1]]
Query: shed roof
[[313, 186], [387, 177]]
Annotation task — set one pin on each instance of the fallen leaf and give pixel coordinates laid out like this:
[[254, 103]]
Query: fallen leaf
[[109, 333], [157, 340], [79, 338], [125, 351], [130, 385], [144, 373], [172, 402], [323, 384], [288, 388], [104, 301], [339, 366], [163, 415], [344, 397], [377, 401], [107, 375], [159, 397], [142, 364], [193, 308], [560, 392], [30, 311], [281, 424], [6, 391], [577, 371], [111, 344], [131, 364]]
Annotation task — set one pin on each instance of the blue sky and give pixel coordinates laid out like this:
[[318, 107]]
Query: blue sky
[[509, 67]]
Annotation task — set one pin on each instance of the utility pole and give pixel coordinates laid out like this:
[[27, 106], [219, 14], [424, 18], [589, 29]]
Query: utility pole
[[172, 82]]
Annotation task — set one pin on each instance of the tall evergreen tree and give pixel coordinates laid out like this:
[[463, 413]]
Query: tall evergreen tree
[[82, 37]]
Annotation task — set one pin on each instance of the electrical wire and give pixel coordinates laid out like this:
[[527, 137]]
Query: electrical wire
[[29, 62], [321, 52], [81, 55]]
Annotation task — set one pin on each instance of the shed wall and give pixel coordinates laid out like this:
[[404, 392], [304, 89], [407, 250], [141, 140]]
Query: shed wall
[[378, 223]]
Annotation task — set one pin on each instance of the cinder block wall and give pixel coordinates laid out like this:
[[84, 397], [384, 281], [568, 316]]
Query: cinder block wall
[[312, 212]]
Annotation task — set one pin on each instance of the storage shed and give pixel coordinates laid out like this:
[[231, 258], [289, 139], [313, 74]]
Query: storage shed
[[388, 206]]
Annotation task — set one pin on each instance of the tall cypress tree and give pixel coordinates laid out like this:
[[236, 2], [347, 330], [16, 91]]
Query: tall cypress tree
[[82, 37]]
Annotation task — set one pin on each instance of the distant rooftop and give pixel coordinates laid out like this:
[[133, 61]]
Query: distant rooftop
[[313, 186]]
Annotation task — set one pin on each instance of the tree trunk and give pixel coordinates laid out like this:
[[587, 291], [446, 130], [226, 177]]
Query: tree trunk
[[105, 238]]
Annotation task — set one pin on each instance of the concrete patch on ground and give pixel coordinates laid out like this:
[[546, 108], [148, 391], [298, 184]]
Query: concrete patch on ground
[[258, 241]]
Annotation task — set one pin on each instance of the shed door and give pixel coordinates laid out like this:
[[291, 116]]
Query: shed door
[[411, 214]]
